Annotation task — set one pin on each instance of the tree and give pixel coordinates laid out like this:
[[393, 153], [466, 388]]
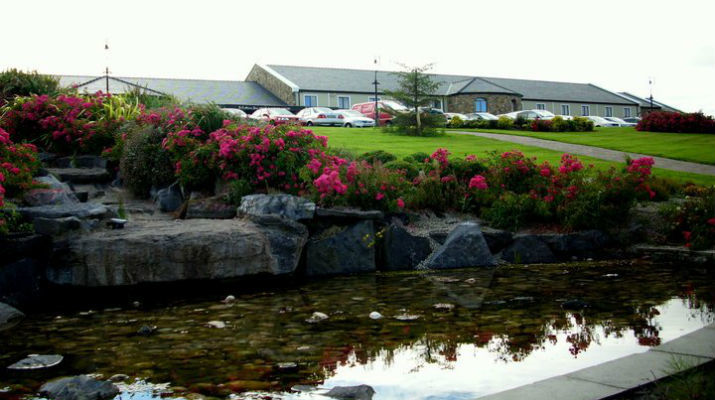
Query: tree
[[415, 89]]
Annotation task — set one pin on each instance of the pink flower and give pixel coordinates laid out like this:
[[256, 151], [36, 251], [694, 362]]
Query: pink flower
[[442, 157], [545, 171], [379, 196], [401, 204], [314, 165], [711, 221], [478, 182]]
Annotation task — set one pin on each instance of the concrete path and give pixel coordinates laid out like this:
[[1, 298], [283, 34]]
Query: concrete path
[[598, 152], [620, 375]]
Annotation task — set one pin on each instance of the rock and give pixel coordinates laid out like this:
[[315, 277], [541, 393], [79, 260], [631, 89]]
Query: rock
[[119, 378], [56, 226], [79, 388], [216, 324], [229, 299], [86, 161], [348, 213], [285, 205], [176, 250], [21, 281], [79, 210], [170, 199], [342, 250], [465, 247], [287, 367], [211, 208], [146, 330], [361, 392], [317, 317], [9, 316], [443, 306], [577, 243], [407, 317], [37, 361], [439, 236], [43, 197], [497, 239], [528, 249], [402, 250], [375, 315], [81, 175]]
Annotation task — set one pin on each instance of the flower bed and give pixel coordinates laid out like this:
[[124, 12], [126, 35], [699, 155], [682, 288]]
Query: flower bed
[[18, 163]]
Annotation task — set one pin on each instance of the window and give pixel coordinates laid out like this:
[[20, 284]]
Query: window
[[585, 111], [609, 111], [311, 100], [480, 105], [437, 104], [540, 106], [565, 109], [343, 101], [626, 112]]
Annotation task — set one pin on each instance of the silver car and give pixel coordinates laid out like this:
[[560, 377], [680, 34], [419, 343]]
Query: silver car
[[319, 116], [600, 121], [619, 121], [352, 118]]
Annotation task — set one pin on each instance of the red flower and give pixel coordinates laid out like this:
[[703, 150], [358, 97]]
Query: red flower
[[711, 221]]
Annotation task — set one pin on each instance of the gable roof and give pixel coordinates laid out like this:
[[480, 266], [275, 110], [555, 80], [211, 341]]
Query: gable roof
[[643, 102], [195, 90], [361, 81], [560, 91]]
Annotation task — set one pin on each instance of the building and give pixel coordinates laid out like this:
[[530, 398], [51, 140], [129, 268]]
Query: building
[[298, 87], [341, 88]]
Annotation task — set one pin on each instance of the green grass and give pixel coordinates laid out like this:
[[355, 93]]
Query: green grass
[[693, 147], [359, 141]]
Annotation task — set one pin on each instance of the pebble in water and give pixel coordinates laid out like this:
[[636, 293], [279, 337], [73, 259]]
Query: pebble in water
[[316, 317], [375, 315], [444, 306], [37, 361], [229, 299], [216, 324]]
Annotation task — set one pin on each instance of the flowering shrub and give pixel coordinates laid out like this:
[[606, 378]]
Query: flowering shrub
[[18, 163], [693, 222], [65, 124], [664, 121]]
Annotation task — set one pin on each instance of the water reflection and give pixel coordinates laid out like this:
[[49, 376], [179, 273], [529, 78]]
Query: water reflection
[[508, 327]]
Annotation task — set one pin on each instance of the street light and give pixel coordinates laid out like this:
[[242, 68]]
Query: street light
[[377, 109]]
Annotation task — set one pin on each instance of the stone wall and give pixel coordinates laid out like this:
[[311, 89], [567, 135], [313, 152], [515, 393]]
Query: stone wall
[[272, 84], [496, 103]]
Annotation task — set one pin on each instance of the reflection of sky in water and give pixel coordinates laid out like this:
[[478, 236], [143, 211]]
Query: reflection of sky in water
[[478, 372]]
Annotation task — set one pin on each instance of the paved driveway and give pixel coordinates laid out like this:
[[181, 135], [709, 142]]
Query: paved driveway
[[598, 152]]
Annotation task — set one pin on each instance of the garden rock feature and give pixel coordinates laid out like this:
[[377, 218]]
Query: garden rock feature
[[578, 243], [464, 247], [79, 210], [170, 199], [211, 208], [402, 250], [56, 226], [349, 213], [167, 251], [497, 239], [81, 175], [360, 392], [342, 250], [528, 249], [284, 205], [79, 388], [9, 316], [37, 361]]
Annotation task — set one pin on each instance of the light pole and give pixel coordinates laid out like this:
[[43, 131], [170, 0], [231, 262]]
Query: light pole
[[106, 69], [377, 108]]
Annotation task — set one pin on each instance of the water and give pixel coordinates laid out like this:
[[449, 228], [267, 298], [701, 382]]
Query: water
[[507, 328]]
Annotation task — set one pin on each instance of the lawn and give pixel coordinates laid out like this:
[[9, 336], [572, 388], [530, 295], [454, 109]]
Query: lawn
[[679, 146], [359, 141]]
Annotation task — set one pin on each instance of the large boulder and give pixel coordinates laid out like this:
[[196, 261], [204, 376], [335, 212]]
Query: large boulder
[[54, 192], [175, 250], [402, 250], [528, 249], [584, 242], [79, 388], [284, 205], [342, 250], [464, 247], [346, 213], [170, 199], [211, 208], [9, 316], [497, 239], [79, 210], [81, 175], [56, 226], [360, 392]]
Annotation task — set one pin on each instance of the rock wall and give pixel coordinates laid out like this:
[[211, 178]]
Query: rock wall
[[496, 103]]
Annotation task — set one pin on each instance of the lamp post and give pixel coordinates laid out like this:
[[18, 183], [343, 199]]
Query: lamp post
[[377, 108], [106, 68]]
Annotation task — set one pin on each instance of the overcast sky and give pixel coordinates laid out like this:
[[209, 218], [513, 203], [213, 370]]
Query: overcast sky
[[617, 45]]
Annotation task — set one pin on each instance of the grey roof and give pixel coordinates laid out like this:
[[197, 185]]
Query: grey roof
[[195, 90], [361, 81], [560, 91], [644, 102]]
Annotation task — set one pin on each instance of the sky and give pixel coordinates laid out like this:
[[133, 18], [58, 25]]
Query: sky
[[617, 45]]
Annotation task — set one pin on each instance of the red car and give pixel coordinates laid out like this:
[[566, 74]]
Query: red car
[[275, 116], [368, 110]]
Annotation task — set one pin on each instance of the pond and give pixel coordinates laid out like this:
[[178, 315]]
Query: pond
[[444, 335]]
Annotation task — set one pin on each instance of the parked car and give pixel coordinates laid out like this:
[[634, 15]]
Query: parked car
[[452, 115], [600, 121], [319, 116], [275, 116], [482, 116], [619, 121], [352, 118], [235, 111], [511, 115], [633, 120], [387, 109], [564, 117], [530, 114]]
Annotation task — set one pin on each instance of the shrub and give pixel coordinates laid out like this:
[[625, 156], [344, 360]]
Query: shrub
[[144, 164], [665, 121], [418, 157], [12, 222], [513, 211], [693, 222], [18, 83], [377, 155], [541, 125], [237, 188], [456, 122], [18, 164], [406, 124], [505, 123], [580, 124], [210, 117], [409, 169]]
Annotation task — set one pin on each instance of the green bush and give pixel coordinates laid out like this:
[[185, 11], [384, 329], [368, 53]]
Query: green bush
[[237, 188], [149, 99], [144, 163], [18, 83], [377, 155], [505, 123], [693, 221], [406, 124], [513, 211], [580, 124], [411, 169], [210, 117], [456, 122], [418, 157]]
